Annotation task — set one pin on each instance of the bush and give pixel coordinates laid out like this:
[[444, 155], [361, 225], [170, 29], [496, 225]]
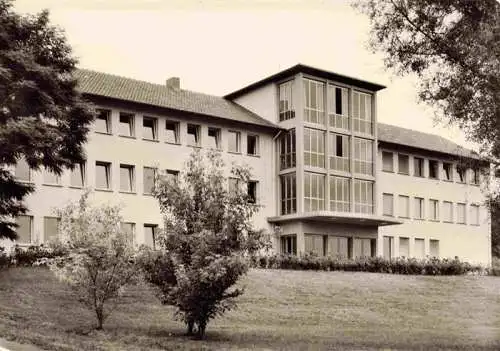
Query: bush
[[495, 267], [4, 258], [36, 255]]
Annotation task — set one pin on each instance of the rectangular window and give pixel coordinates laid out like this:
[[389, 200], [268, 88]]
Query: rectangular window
[[404, 247], [338, 109], [475, 176], [286, 101], [340, 194], [23, 170], [339, 152], [404, 206], [388, 247], [77, 176], [447, 211], [50, 228], [148, 180], [150, 231], [362, 247], [474, 214], [314, 244], [234, 142], [433, 169], [103, 175], [127, 178], [171, 174], [363, 156], [434, 248], [24, 229], [50, 177], [233, 185], [314, 148], [419, 208], [172, 132], [337, 246], [314, 111], [213, 138], [149, 128], [252, 145], [193, 135], [103, 122], [314, 192], [460, 213], [129, 230], [388, 202], [403, 164], [433, 210], [363, 196], [418, 164], [447, 171], [288, 244], [461, 174], [126, 124], [362, 113], [287, 150], [387, 161], [288, 196], [419, 248], [252, 191]]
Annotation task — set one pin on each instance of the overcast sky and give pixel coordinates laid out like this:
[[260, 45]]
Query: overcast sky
[[216, 47]]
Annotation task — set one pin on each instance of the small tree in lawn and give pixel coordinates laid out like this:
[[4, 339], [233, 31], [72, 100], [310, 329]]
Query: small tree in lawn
[[206, 240], [100, 259]]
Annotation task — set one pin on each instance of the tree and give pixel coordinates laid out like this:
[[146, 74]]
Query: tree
[[101, 258], [453, 47], [207, 238], [43, 118]]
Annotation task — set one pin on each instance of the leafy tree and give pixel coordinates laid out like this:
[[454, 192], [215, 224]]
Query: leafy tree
[[43, 119], [100, 259], [207, 238], [453, 47]]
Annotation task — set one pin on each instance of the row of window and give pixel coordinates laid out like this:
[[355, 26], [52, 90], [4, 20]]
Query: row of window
[[447, 214], [448, 171], [404, 247], [172, 128]]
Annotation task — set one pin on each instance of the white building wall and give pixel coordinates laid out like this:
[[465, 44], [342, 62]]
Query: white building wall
[[262, 101]]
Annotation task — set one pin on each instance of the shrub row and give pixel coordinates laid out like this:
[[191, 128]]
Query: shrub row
[[428, 266], [32, 255]]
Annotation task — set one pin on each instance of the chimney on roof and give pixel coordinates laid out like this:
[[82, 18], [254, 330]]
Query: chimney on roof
[[174, 83]]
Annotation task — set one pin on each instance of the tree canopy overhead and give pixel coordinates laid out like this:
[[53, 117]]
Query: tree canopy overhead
[[43, 118]]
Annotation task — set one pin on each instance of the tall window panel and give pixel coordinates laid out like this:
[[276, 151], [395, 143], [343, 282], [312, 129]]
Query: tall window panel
[[129, 230], [340, 194], [50, 228], [126, 126], [314, 192], [288, 193], [286, 101], [288, 244], [474, 214], [338, 107], [150, 233], [433, 210], [337, 246], [404, 247], [77, 176], [363, 196], [314, 111], [24, 229], [434, 248], [403, 164], [403, 206], [388, 204], [419, 248], [103, 122], [103, 175], [150, 128], [314, 148], [127, 178], [362, 247], [287, 150], [418, 208], [339, 152], [447, 211], [22, 171], [363, 156], [388, 243], [461, 213], [362, 113], [148, 179], [314, 243]]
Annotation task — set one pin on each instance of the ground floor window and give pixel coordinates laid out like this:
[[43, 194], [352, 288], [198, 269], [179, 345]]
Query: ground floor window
[[314, 243], [419, 248], [337, 246], [388, 247], [288, 244], [363, 247], [404, 247], [434, 248]]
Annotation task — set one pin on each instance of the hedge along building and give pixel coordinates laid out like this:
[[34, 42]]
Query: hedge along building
[[327, 175]]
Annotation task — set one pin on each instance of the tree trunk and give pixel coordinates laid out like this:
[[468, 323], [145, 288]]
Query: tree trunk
[[190, 326], [201, 330], [100, 317]]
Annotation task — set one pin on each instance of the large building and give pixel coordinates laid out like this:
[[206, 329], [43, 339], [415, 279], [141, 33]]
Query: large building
[[329, 177]]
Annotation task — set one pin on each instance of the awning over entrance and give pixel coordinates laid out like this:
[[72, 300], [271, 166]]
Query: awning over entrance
[[337, 217]]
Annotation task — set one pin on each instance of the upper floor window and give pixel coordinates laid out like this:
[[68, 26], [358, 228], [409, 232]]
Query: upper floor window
[[387, 162], [150, 233], [50, 177], [126, 124], [418, 167], [77, 176], [234, 142], [362, 113], [339, 152], [149, 128], [252, 191], [363, 196], [314, 192], [288, 193], [403, 164], [338, 107], [363, 156], [24, 229], [22, 171], [287, 150], [433, 169], [127, 178], [103, 121], [388, 204], [340, 194], [148, 179], [213, 138], [252, 145], [447, 171], [474, 214], [314, 148], [286, 102], [172, 132], [433, 210], [193, 135], [314, 111], [447, 211], [129, 229], [461, 174], [404, 206], [475, 176], [103, 175], [419, 208], [50, 228], [461, 213]]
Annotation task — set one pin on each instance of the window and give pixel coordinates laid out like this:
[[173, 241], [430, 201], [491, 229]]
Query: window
[[288, 196], [434, 248], [314, 192], [474, 214], [193, 135], [404, 206], [362, 112], [314, 148], [252, 145], [388, 202], [460, 174], [148, 179], [103, 175], [314, 105], [447, 171], [339, 152], [363, 156], [314, 244], [340, 194], [172, 132], [418, 164], [433, 169], [338, 109], [149, 128], [419, 208], [50, 177], [362, 247], [102, 122], [50, 228], [233, 185], [404, 247], [127, 178], [460, 213], [363, 196], [150, 231], [23, 170], [433, 210], [24, 229], [171, 174], [126, 124], [77, 176], [287, 150], [387, 163], [129, 230], [286, 102], [252, 191], [475, 176], [419, 248], [288, 244], [403, 164], [337, 246], [447, 211], [234, 142], [213, 138], [388, 250]]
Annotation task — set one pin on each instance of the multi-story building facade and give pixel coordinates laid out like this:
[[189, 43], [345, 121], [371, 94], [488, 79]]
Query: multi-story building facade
[[329, 177]]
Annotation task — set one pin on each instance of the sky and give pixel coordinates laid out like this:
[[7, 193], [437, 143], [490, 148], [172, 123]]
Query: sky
[[218, 46]]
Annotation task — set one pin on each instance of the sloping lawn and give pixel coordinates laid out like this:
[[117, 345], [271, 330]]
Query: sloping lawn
[[289, 310]]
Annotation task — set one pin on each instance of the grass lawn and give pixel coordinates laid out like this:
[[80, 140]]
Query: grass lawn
[[289, 310]]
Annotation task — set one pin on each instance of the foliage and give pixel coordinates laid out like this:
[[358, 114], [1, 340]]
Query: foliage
[[453, 47], [4, 258], [207, 236], [495, 267], [43, 119], [100, 259], [37, 255]]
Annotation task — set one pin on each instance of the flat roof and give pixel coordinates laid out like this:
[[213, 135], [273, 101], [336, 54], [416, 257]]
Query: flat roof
[[336, 217]]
